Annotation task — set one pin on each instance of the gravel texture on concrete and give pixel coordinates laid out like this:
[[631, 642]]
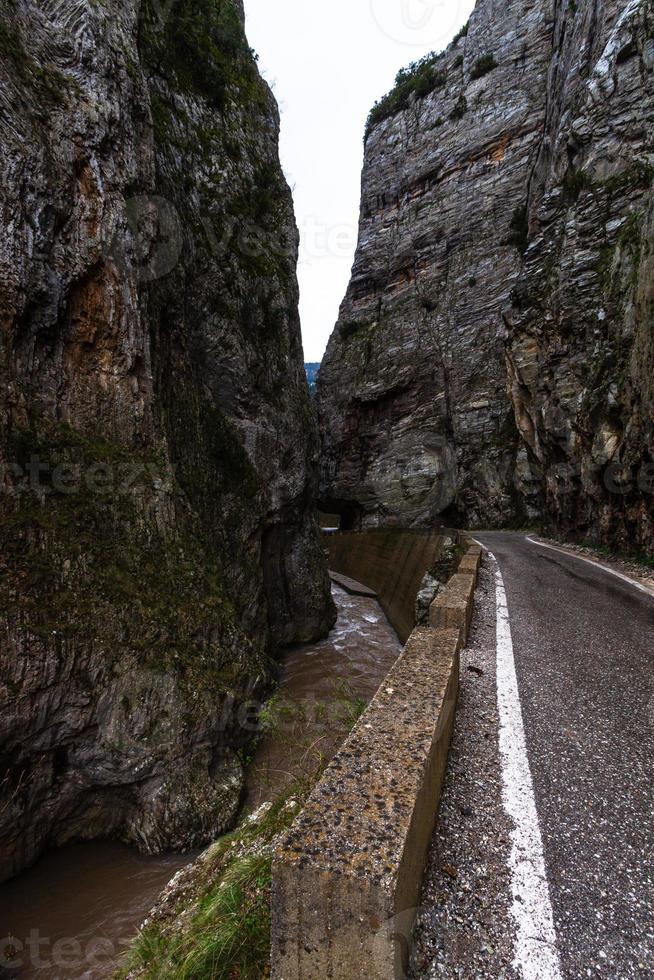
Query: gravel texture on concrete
[[464, 928]]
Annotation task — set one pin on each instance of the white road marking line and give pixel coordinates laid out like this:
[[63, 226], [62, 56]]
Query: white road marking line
[[536, 954], [595, 564]]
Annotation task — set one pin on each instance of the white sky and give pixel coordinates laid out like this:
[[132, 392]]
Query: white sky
[[328, 61]]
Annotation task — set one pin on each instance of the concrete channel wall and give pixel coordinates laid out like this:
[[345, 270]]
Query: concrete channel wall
[[392, 563], [347, 876]]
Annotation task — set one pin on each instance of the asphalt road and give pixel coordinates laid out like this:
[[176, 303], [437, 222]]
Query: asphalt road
[[583, 645]]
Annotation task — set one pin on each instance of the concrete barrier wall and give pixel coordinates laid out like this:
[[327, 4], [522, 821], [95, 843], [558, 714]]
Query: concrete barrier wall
[[392, 562], [347, 877]]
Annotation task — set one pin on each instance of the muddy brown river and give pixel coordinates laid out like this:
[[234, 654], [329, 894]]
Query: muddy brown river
[[72, 914]]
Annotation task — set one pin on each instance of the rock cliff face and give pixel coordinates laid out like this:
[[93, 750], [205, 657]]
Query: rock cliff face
[[156, 436], [580, 344], [492, 358]]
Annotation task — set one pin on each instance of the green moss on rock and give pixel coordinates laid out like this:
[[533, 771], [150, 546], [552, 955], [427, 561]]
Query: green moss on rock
[[202, 44], [215, 920], [44, 82], [482, 66], [83, 561]]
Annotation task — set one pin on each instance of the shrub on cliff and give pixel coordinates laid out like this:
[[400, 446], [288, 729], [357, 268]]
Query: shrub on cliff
[[574, 182], [519, 229], [213, 920], [460, 108], [418, 80], [203, 42], [482, 66]]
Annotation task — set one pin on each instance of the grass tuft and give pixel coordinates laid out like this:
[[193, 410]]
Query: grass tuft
[[224, 933], [519, 229]]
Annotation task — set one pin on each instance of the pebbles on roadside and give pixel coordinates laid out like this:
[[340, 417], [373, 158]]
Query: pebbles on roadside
[[464, 928]]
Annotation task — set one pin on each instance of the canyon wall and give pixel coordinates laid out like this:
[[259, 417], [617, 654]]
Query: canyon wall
[[157, 443], [492, 358], [580, 327]]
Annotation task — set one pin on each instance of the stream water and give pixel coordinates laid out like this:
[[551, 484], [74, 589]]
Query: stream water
[[72, 914], [322, 688]]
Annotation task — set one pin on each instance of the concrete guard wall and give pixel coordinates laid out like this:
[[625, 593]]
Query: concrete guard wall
[[392, 562], [347, 877]]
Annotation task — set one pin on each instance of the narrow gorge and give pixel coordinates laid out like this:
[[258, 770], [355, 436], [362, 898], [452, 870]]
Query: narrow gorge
[[492, 362], [182, 497]]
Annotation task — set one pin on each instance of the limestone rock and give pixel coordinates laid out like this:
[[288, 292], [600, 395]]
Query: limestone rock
[[493, 355], [580, 342], [413, 408], [157, 442]]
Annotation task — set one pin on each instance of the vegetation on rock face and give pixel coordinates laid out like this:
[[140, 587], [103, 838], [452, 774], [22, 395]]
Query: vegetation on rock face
[[44, 81], [181, 387], [215, 922], [203, 42], [574, 182], [347, 328], [519, 233], [415, 82], [85, 564], [460, 108], [420, 79], [638, 175], [483, 66], [214, 919]]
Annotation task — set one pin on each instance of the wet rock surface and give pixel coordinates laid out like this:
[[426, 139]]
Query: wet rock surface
[[157, 443], [493, 353], [411, 391]]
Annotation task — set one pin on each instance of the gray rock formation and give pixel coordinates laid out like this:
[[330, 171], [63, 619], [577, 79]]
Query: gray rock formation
[[580, 345], [157, 442], [493, 352]]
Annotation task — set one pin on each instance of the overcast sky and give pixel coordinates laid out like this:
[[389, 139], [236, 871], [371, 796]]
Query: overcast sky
[[328, 61]]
